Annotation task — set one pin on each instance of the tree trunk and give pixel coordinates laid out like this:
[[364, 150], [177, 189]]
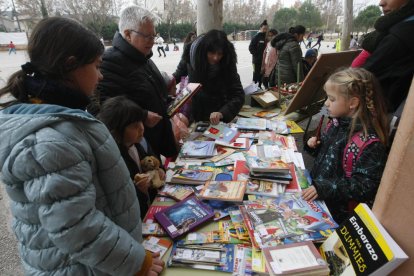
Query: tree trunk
[[209, 15], [346, 25]]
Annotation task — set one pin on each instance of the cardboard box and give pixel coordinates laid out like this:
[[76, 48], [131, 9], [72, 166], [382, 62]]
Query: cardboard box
[[393, 205], [266, 99]]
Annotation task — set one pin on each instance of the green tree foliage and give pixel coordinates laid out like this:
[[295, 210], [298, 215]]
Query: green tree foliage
[[309, 15], [284, 19], [229, 27], [366, 18], [176, 31]]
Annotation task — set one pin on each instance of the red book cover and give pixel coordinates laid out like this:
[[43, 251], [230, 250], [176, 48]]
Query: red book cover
[[293, 185], [249, 226]]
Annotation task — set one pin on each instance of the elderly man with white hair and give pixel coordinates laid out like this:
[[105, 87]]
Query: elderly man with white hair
[[128, 70]]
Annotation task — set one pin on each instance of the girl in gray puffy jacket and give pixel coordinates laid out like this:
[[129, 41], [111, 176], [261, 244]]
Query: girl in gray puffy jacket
[[74, 207]]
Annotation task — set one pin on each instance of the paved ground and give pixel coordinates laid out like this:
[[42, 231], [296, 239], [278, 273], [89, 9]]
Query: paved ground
[[9, 259]]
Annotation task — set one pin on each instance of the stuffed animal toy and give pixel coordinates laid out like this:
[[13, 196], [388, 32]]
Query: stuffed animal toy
[[150, 165]]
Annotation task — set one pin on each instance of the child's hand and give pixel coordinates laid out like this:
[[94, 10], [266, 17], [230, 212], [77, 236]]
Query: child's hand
[[142, 181], [157, 265], [313, 142], [161, 173], [310, 194]]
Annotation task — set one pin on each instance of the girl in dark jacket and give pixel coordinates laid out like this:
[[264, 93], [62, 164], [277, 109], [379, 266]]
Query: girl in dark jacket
[[211, 60], [357, 108], [124, 119]]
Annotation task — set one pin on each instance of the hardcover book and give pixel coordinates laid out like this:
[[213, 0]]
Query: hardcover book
[[224, 190], [184, 216], [183, 97], [362, 246], [295, 259], [265, 158]]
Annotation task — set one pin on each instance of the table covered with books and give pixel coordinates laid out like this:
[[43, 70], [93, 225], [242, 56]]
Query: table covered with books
[[232, 205]]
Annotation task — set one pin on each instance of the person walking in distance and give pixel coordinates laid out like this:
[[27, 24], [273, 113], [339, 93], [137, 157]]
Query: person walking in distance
[[160, 45], [12, 47]]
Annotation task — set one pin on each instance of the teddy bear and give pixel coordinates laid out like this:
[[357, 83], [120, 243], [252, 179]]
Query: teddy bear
[[150, 166]]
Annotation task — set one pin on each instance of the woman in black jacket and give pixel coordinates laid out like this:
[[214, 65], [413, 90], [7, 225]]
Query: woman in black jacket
[[211, 60]]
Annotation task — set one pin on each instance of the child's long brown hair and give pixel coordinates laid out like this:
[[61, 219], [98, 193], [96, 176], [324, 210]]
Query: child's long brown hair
[[371, 112]]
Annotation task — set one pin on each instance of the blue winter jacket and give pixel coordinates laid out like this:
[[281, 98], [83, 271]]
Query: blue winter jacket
[[74, 204]]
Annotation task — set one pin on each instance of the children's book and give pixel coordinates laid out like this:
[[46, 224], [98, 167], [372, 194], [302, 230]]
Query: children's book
[[224, 190], [230, 160], [183, 97], [155, 245], [265, 158], [229, 231], [221, 133], [242, 260], [295, 259], [197, 149], [251, 123], [282, 141], [362, 246], [176, 192], [149, 225], [259, 262], [219, 257], [239, 143], [221, 208], [239, 225], [183, 216], [191, 177], [222, 153]]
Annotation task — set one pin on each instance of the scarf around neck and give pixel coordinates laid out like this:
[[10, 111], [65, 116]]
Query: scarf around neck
[[384, 24]]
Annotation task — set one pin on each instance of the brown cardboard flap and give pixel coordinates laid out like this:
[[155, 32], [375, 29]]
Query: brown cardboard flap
[[394, 201]]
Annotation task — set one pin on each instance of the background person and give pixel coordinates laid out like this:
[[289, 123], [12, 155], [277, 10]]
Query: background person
[[128, 70], [74, 208], [12, 48], [256, 48], [211, 60], [269, 58], [289, 61], [160, 45]]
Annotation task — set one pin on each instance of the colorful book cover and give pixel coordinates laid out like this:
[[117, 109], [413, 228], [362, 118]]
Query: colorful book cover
[[295, 215], [254, 238], [155, 245], [176, 192], [222, 152], [294, 259], [362, 246], [230, 160], [265, 158], [153, 229], [294, 128], [197, 149], [282, 141], [182, 97], [251, 123], [221, 133], [183, 216], [187, 176], [221, 208], [242, 260], [239, 143], [224, 190], [227, 227], [238, 222], [259, 262]]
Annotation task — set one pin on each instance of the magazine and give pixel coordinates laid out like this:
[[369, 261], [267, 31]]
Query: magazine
[[183, 216], [197, 149]]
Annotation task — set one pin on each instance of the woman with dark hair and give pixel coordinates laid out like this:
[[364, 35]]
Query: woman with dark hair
[[211, 60], [73, 201], [289, 63], [124, 119], [256, 48]]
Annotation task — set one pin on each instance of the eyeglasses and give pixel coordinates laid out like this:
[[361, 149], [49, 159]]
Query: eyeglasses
[[146, 37]]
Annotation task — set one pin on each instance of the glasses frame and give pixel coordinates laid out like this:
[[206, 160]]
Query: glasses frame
[[146, 37]]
